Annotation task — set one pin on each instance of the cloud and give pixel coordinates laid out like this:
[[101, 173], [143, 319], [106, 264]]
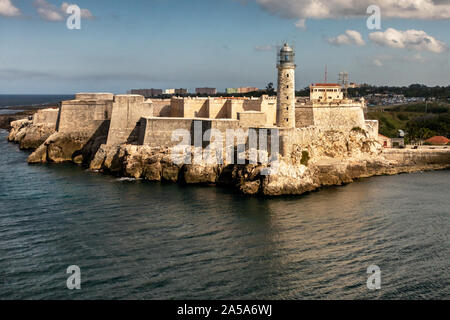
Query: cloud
[[7, 9], [50, 12], [332, 9], [265, 48], [15, 74], [301, 24], [378, 62], [85, 13], [382, 59], [351, 37], [409, 39], [416, 58]]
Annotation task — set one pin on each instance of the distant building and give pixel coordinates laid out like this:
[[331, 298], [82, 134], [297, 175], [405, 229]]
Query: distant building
[[241, 90], [247, 89], [391, 142], [326, 92], [398, 142], [181, 91], [385, 141], [231, 90], [438, 140], [210, 91], [169, 91], [148, 93]]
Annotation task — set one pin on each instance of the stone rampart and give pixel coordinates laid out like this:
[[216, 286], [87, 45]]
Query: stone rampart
[[84, 116], [252, 119], [158, 132], [127, 110], [418, 157], [339, 117], [46, 116]]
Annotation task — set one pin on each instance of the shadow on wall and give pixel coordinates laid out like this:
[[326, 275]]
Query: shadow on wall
[[133, 138], [94, 142]]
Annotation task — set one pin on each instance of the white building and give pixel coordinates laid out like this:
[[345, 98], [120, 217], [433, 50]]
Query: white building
[[326, 92]]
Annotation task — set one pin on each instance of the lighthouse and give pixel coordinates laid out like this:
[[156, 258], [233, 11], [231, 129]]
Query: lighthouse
[[286, 87]]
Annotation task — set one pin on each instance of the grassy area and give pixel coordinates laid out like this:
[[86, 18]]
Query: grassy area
[[391, 121], [413, 120]]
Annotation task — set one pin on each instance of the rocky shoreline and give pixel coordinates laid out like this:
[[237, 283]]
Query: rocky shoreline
[[333, 159], [24, 113]]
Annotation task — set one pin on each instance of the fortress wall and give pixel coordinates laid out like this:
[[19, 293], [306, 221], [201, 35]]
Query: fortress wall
[[157, 132], [419, 156], [372, 127], [235, 106], [252, 119], [224, 124], [189, 108], [46, 116], [94, 96], [339, 118], [269, 107], [176, 108], [161, 107], [218, 109], [304, 116], [302, 137], [86, 117], [252, 105], [127, 110]]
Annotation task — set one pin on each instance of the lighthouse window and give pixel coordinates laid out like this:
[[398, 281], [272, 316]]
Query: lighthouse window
[[287, 97], [287, 87], [287, 75]]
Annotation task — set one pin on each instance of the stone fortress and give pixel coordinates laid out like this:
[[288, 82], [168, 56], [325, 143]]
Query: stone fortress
[[131, 119], [323, 140]]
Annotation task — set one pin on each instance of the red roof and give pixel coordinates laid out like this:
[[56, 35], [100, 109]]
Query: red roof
[[383, 137], [326, 85], [438, 140]]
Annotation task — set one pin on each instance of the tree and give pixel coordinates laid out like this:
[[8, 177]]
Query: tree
[[269, 88]]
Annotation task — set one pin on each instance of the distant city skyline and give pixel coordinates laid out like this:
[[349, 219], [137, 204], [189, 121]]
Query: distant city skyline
[[219, 44]]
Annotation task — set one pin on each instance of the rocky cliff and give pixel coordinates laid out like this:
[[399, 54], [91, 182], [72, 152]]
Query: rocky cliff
[[331, 158], [29, 135]]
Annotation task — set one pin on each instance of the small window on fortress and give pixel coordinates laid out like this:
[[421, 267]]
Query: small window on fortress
[[287, 87], [287, 75], [287, 97]]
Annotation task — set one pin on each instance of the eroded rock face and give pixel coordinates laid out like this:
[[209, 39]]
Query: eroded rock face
[[64, 147], [29, 135], [336, 160], [333, 158]]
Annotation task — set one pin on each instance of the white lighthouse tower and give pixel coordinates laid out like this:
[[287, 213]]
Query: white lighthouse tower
[[286, 87]]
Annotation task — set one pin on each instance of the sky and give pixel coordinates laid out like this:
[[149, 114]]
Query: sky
[[124, 45]]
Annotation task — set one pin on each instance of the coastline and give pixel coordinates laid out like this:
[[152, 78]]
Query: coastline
[[353, 157], [22, 112]]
